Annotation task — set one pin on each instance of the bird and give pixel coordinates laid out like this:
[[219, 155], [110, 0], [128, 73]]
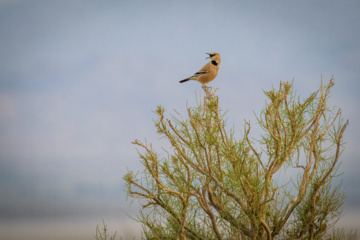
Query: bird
[[208, 72]]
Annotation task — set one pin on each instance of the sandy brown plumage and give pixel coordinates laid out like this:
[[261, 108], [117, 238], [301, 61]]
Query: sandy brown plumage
[[208, 72]]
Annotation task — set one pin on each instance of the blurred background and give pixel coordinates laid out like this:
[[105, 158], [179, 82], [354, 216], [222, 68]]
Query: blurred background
[[79, 81]]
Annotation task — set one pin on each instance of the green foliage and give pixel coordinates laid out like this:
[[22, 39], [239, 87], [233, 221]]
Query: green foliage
[[102, 234], [339, 234], [213, 186]]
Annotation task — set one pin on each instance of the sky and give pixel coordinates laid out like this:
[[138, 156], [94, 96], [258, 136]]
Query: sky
[[79, 80]]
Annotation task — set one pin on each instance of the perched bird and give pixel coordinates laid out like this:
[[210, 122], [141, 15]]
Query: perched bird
[[208, 72]]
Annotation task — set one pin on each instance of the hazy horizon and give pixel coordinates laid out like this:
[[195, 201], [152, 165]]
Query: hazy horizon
[[79, 81]]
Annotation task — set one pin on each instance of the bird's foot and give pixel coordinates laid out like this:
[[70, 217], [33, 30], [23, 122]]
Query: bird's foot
[[206, 88], [208, 91]]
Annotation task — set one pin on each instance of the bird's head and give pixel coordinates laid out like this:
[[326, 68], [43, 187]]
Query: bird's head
[[214, 57]]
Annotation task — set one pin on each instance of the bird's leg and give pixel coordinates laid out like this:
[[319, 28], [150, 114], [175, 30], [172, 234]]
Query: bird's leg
[[207, 91], [206, 88]]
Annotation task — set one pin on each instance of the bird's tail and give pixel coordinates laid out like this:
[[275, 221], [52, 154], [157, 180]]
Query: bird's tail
[[185, 80]]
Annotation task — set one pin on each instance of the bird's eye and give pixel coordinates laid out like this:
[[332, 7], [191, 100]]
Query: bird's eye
[[211, 55]]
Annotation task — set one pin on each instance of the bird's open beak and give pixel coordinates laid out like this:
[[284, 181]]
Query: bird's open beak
[[208, 56]]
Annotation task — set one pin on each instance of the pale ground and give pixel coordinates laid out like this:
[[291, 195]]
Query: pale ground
[[84, 228], [63, 229]]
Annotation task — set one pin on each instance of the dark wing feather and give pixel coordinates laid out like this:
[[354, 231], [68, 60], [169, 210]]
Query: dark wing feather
[[200, 73]]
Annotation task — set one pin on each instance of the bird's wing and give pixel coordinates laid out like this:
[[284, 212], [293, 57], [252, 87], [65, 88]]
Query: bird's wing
[[200, 73], [203, 70]]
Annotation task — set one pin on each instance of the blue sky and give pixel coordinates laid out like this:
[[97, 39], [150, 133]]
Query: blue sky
[[79, 81]]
